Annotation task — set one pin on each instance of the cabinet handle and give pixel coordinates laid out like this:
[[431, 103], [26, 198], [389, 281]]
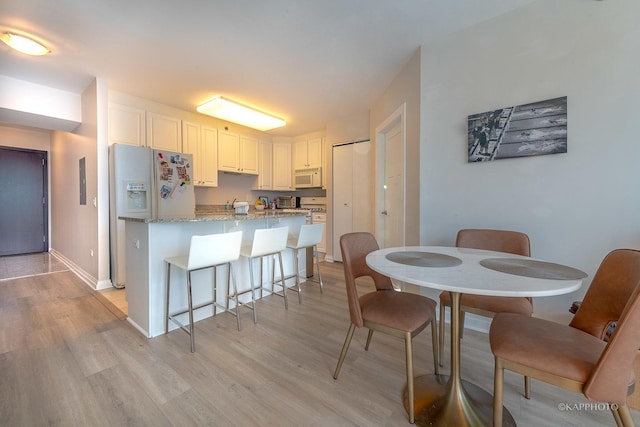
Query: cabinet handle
[[384, 212]]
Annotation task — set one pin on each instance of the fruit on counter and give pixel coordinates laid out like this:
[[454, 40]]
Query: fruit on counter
[[258, 202]]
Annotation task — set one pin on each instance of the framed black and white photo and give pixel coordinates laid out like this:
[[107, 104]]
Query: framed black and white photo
[[525, 130], [265, 200]]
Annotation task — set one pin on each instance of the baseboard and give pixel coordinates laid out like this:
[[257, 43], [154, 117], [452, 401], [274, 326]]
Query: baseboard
[[83, 275], [138, 328]]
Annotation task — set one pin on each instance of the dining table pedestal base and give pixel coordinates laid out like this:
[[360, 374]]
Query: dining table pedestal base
[[441, 402]]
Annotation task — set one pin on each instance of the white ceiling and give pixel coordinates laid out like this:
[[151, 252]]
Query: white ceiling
[[309, 61]]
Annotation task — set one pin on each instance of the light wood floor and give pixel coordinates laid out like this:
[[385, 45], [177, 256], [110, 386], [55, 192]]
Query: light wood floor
[[66, 358]]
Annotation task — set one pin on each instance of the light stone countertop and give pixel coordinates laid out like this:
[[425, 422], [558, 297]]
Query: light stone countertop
[[217, 216]]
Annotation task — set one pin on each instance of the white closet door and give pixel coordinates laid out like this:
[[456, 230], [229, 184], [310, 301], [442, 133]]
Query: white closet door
[[342, 195], [352, 200]]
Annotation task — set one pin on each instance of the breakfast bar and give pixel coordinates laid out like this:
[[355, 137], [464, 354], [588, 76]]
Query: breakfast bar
[[150, 240]]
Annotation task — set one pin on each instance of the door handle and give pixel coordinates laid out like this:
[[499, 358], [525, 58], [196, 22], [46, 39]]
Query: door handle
[[384, 212]]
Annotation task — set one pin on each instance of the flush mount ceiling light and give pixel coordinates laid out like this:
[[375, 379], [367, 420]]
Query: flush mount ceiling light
[[236, 112], [24, 44]]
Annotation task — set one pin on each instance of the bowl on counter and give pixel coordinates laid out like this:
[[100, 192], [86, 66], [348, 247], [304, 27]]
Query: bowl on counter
[[259, 208]]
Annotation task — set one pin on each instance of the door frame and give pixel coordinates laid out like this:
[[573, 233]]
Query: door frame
[[398, 116]]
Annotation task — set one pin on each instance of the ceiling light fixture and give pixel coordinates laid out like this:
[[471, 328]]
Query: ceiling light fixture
[[24, 44], [236, 112]]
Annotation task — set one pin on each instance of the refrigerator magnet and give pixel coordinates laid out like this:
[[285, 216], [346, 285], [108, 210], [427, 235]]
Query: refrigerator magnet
[[165, 190]]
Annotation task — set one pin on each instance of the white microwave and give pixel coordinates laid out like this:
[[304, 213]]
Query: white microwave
[[308, 178]]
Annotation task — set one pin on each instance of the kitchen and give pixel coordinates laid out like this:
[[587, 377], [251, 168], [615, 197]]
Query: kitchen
[[265, 172]]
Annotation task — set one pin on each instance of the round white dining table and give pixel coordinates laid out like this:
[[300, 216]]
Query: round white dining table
[[452, 401]]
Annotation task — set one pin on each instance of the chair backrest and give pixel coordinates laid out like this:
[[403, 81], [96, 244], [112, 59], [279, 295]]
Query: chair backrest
[[609, 292], [269, 241], [611, 376], [310, 235], [513, 242], [355, 247], [214, 249]]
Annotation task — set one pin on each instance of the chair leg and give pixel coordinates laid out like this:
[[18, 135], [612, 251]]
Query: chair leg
[[284, 285], [215, 289], [625, 415], [497, 393], [527, 387], [261, 283], [409, 356], [232, 275], [369, 336], [315, 253], [345, 347], [167, 287], [273, 274], [616, 416], [434, 344], [296, 267], [441, 336], [190, 298], [253, 288]]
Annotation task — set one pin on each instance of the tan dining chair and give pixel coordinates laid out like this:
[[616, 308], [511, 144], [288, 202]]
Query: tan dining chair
[[513, 242], [386, 310], [574, 358]]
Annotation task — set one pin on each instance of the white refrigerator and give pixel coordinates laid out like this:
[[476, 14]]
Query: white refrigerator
[[145, 183]]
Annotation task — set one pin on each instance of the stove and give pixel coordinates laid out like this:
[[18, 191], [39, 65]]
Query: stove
[[313, 204], [295, 210], [309, 205]]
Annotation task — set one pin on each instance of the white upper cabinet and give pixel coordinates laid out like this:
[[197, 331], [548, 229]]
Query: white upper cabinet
[[308, 154], [228, 151], [126, 125], [237, 153], [202, 143], [249, 149], [209, 156], [265, 175], [164, 133], [282, 176]]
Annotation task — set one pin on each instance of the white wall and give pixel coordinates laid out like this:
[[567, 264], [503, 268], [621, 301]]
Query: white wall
[[575, 207], [24, 137], [74, 227], [30, 104], [405, 88]]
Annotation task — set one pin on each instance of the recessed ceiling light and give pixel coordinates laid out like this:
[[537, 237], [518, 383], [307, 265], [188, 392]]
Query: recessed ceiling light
[[24, 44], [236, 112]]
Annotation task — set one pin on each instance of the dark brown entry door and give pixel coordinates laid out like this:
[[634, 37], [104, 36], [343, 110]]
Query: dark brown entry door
[[23, 201]]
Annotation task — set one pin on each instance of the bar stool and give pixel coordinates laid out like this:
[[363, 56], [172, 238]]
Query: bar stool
[[309, 237], [267, 242], [209, 251]]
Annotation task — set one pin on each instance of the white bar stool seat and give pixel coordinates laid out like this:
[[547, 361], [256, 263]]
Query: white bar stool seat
[[310, 236], [267, 242], [209, 251]]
